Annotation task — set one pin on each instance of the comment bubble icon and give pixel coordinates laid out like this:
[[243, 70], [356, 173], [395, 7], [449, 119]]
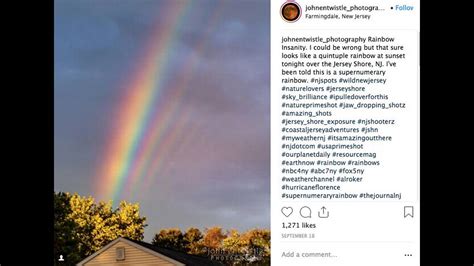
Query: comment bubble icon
[[305, 212]]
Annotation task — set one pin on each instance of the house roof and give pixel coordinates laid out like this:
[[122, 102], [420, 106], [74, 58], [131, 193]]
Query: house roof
[[179, 256]]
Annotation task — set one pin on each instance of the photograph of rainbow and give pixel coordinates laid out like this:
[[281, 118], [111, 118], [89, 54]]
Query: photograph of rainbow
[[162, 132]]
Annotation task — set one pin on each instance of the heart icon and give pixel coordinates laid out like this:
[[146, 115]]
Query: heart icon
[[287, 211]]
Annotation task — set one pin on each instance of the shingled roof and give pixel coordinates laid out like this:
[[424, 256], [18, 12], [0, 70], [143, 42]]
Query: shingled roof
[[179, 256]]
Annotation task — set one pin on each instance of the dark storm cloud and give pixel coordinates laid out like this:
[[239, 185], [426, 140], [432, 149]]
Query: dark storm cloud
[[223, 173]]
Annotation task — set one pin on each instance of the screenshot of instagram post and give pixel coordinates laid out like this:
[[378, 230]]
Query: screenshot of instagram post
[[244, 132]]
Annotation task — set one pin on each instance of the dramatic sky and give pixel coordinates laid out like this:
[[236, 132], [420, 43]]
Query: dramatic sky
[[207, 161]]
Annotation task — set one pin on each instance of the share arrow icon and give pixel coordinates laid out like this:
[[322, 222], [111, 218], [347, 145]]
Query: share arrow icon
[[323, 213]]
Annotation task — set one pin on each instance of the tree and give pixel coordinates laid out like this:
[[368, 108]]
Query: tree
[[234, 248], [256, 245], [249, 248], [232, 243], [65, 240], [170, 238], [212, 240], [192, 241], [82, 227]]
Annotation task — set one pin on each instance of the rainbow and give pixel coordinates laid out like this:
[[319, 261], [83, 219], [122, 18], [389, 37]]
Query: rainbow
[[150, 114]]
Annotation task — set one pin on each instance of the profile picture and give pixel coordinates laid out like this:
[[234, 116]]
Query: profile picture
[[290, 11]]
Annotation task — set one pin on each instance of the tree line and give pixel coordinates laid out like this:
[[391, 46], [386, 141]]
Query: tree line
[[229, 247], [82, 226]]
